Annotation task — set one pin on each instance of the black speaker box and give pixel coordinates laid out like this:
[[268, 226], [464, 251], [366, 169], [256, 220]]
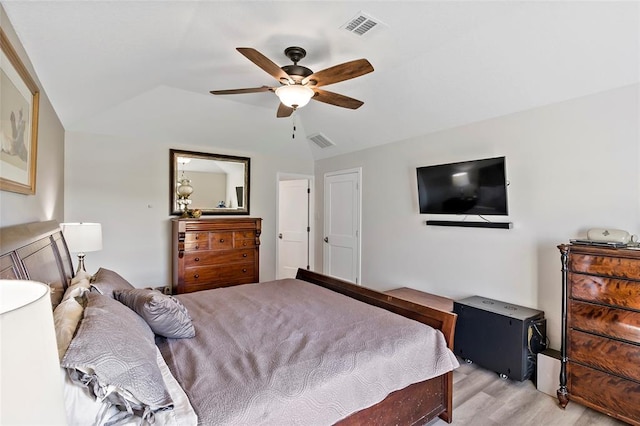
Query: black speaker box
[[499, 336]]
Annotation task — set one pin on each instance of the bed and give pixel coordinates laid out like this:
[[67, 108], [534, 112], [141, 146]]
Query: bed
[[37, 251]]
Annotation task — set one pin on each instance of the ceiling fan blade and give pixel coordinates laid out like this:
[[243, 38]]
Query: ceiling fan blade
[[265, 63], [284, 111], [239, 91], [336, 99], [337, 73]]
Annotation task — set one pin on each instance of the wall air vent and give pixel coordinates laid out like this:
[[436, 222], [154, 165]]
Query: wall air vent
[[362, 24], [321, 140]]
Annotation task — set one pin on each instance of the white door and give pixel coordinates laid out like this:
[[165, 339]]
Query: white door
[[341, 253], [293, 227]]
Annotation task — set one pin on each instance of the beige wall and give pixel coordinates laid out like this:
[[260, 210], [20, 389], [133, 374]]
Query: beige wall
[[48, 201], [211, 188], [123, 183], [571, 166]]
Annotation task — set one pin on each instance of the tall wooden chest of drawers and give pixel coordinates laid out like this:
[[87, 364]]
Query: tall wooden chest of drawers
[[600, 365], [211, 253]]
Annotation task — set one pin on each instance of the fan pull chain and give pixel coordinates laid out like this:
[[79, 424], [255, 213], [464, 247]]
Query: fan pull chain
[[293, 120]]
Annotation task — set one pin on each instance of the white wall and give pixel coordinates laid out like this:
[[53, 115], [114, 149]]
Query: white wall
[[571, 166], [48, 201], [124, 184]]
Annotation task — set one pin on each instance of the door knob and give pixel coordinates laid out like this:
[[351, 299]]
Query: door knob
[[326, 239], [280, 235]]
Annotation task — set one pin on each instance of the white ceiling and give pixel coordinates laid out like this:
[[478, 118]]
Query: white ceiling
[[144, 69]]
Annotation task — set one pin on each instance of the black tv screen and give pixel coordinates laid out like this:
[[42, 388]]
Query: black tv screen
[[476, 187]]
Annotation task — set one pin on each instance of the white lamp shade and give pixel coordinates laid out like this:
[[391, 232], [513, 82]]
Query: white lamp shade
[[295, 95], [82, 237], [30, 380]]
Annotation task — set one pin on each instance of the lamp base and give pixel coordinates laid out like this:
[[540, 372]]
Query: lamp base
[[80, 263]]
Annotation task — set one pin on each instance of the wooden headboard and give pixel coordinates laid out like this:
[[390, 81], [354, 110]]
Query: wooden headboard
[[36, 251]]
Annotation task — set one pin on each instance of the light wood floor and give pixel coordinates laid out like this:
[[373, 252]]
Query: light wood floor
[[481, 398]]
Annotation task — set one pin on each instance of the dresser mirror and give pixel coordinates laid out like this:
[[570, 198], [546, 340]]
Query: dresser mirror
[[214, 184]]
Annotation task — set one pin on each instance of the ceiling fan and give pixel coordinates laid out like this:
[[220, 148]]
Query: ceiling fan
[[298, 84]]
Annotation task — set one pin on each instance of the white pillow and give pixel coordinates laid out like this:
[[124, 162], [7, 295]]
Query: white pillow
[[68, 313], [81, 275], [66, 317], [78, 286], [82, 409]]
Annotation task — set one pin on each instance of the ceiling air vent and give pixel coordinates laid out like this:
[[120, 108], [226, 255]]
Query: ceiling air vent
[[321, 140], [362, 23]]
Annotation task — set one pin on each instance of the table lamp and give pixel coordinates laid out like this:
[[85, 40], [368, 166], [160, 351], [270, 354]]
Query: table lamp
[[31, 387], [82, 237]]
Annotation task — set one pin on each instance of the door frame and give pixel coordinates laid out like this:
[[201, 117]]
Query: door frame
[[282, 176], [358, 172]]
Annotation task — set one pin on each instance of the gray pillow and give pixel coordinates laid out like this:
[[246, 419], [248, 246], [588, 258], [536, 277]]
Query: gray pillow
[[105, 281], [114, 355], [165, 314]]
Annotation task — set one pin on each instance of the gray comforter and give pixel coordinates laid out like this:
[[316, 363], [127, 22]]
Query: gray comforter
[[288, 352]]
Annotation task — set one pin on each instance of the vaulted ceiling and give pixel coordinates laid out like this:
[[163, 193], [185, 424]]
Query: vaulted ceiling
[[144, 69]]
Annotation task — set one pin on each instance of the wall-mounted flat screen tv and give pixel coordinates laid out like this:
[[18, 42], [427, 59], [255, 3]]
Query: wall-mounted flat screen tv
[[477, 187]]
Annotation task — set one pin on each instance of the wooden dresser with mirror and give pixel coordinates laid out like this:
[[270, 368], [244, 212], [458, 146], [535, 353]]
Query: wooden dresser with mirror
[[600, 365], [215, 252]]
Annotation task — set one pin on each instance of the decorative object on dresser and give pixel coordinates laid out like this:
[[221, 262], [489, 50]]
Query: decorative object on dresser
[[600, 351], [81, 238], [611, 235], [30, 380], [211, 253]]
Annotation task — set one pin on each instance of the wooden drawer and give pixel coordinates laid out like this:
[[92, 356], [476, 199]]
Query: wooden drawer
[[208, 286], [196, 241], [214, 275], [613, 395], [605, 354], [219, 257], [608, 291], [620, 267], [221, 240], [191, 237], [244, 243], [244, 234], [606, 321]]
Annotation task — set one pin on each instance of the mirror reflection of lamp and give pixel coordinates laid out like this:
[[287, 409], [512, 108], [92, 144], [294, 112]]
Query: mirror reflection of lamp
[[461, 181], [184, 189]]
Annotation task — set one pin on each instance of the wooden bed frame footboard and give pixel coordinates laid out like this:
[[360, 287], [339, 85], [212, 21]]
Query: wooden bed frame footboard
[[417, 403]]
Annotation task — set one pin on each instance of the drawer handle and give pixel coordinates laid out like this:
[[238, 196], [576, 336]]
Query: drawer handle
[[196, 236], [244, 254], [244, 243], [197, 259], [197, 247], [222, 240], [196, 276], [244, 269]]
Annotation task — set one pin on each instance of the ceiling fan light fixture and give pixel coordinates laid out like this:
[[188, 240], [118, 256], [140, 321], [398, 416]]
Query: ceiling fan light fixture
[[294, 95]]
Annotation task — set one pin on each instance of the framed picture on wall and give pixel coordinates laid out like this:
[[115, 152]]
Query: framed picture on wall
[[19, 98]]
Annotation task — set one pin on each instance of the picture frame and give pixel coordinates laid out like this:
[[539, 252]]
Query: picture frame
[[19, 97]]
